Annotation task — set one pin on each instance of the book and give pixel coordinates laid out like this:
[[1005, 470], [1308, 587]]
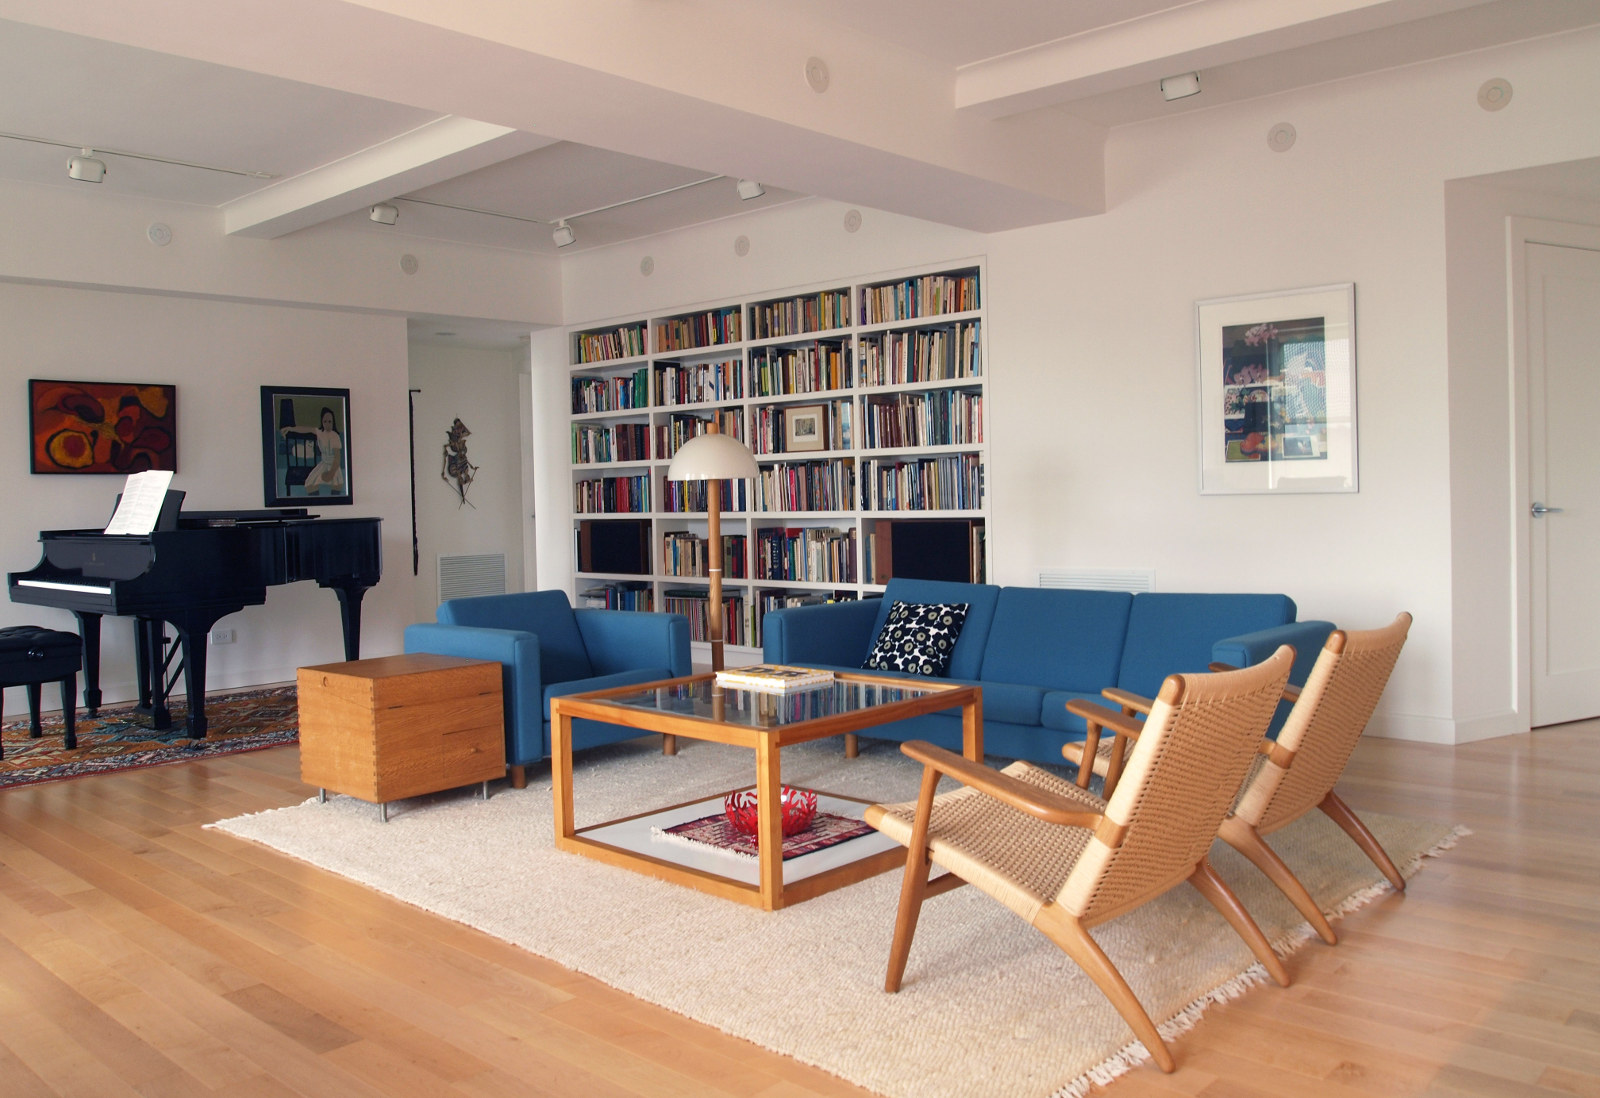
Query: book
[[773, 677]]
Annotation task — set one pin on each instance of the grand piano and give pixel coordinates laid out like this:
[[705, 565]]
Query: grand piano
[[192, 570]]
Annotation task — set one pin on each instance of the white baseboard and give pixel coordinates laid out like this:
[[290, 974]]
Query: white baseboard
[[1446, 730]]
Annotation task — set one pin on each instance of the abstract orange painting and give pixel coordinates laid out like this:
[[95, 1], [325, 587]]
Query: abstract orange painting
[[102, 426]]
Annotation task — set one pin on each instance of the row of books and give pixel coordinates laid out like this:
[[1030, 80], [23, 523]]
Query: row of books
[[828, 485], [928, 354], [806, 554], [623, 342], [713, 326], [952, 482], [797, 315], [683, 496], [686, 554], [611, 394], [682, 427], [694, 603], [597, 442], [700, 382], [787, 371], [611, 495], [947, 417], [929, 295], [771, 432], [618, 596]]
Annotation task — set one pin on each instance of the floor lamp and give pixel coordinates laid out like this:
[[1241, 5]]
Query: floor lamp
[[713, 457]]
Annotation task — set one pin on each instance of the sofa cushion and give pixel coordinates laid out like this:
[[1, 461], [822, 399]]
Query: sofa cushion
[[1012, 702], [603, 682], [1062, 639], [1171, 633], [918, 637], [548, 614], [980, 599]]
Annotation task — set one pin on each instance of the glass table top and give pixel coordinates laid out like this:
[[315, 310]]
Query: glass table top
[[765, 709]]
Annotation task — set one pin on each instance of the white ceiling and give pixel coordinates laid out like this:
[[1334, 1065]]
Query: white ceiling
[[546, 111]]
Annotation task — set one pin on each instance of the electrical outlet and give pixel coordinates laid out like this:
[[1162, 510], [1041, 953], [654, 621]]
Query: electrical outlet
[[222, 636]]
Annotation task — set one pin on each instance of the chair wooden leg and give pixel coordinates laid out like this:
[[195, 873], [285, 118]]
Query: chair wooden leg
[[669, 745], [852, 745], [1247, 841], [1213, 888], [1340, 813], [519, 777], [914, 886], [1068, 933]]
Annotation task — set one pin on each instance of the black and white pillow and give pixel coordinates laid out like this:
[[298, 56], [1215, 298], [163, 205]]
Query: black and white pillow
[[918, 638]]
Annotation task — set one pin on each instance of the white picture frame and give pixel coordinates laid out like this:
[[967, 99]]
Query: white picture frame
[[1277, 391]]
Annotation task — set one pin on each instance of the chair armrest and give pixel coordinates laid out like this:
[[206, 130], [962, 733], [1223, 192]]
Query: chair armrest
[[522, 685], [623, 640], [1120, 723], [1020, 795], [1127, 699], [837, 633]]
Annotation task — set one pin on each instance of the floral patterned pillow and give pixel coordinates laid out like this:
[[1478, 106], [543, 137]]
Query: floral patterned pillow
[[918, 638]]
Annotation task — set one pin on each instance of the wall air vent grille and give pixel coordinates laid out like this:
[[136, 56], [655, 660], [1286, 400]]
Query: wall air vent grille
[[464, 575], [1100, 579]]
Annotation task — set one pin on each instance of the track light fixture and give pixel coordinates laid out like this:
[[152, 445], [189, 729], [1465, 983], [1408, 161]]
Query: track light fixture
[[562, 234], [86, 167], [384, 214], [748, 189], [1181, 86]]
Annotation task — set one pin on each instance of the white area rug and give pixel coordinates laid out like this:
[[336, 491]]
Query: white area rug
[[989, 1007]]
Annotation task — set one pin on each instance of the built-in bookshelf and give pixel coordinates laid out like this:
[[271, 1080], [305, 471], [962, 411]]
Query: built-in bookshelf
[[864, 405]]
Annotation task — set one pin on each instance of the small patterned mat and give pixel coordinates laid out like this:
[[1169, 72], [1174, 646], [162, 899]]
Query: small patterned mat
[[826, 829]]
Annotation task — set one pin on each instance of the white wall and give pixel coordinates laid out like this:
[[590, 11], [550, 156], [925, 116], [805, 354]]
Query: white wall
[[218, 354], [1093, 430], [479, 387]]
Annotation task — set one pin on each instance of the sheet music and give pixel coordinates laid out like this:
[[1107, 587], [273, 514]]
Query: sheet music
[[142, 498]]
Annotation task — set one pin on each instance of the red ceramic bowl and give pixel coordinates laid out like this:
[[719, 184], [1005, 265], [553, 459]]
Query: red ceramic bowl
[[799, 807]]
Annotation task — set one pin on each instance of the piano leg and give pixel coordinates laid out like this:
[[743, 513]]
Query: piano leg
[[89, 630], [350, 617], [194, 679], [150, 649]]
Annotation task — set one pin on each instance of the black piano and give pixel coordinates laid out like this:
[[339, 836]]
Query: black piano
[[194, 569]]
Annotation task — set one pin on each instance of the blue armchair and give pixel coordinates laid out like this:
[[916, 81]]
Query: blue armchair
[[548, 649]]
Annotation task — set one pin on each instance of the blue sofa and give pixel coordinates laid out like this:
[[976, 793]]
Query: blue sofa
[[548, 649], [1035, 649]]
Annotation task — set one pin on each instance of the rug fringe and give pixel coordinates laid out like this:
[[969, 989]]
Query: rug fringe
[[1134, 1053]]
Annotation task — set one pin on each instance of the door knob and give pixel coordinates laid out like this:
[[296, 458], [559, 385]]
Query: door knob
[[1539, 510]]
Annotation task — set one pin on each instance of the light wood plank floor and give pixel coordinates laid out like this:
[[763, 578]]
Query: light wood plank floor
[[142, 955]]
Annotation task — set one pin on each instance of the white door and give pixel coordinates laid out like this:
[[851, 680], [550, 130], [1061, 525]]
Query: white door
[[1563, 325]]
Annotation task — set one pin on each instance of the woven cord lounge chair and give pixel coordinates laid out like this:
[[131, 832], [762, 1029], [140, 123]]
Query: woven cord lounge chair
[[1065, 860], [1297, 772]]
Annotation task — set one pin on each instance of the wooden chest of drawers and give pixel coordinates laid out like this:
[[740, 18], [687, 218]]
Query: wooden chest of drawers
[[400, 726]]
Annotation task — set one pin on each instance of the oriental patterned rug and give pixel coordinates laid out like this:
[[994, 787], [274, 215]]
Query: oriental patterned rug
[[990, 1008], [120, 739]]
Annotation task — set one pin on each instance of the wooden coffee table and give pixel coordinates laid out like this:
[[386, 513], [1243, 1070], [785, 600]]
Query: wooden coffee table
[[696, 708]]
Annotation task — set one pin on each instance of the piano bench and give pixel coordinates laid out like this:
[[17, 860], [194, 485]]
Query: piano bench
[[30, 656]]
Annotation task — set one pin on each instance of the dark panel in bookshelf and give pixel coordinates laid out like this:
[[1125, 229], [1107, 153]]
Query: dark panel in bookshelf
[[935, 549], [617, 546]]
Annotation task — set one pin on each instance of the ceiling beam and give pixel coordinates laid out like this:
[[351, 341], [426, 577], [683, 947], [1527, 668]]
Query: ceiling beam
[[1186, 38], [442, 149]]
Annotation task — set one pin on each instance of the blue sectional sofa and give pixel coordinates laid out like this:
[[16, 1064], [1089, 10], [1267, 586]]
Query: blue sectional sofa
[[1035, 649], [548, 649]]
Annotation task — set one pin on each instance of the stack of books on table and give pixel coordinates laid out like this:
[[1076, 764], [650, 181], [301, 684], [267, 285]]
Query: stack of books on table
[[773, 677]]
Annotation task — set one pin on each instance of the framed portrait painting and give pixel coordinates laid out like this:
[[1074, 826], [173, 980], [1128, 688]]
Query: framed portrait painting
[[1278, 391], [116, 427], [305, 446]]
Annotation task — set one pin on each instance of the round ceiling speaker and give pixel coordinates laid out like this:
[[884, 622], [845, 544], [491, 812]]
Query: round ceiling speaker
[[741, 246], [647, 266], [817, 74], [1494, 94], [1281, 137]]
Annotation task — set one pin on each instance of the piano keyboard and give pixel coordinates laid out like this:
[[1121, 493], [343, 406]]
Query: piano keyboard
[[56, 585]]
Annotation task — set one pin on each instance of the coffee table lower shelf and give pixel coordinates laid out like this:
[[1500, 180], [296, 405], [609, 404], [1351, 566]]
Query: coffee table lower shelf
[[629, 843]]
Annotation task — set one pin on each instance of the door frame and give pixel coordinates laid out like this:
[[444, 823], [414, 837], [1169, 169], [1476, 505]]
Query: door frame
[[1521, 232]]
